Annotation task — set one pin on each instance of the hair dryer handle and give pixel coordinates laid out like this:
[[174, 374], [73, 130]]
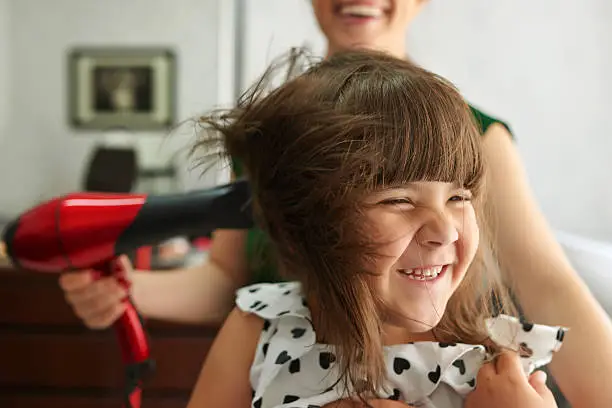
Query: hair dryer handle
[[134, 345]]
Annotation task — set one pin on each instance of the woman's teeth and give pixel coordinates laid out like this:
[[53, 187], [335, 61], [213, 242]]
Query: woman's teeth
[[422, 273], [361, 11]]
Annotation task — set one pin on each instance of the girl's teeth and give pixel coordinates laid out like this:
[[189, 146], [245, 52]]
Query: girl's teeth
[[422, 274], [361, 11]]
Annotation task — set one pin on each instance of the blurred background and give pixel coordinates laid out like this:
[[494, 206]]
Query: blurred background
[[149, 65], [541, 66]]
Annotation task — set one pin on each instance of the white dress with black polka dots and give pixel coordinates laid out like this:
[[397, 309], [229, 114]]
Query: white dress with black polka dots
[[291, 370]]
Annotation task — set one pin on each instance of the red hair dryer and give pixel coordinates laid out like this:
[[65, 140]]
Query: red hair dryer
[[90, 230]]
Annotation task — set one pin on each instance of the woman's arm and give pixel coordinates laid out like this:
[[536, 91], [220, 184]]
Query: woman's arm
[[199, 294], [224, 379], [548, 289]]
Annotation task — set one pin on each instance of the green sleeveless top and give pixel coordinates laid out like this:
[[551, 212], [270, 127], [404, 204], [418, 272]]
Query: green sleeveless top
[[262, 268]]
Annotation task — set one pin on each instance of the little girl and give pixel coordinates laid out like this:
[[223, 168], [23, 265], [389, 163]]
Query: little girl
[[367, 176]]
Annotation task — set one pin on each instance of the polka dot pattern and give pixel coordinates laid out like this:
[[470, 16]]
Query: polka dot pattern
[[292, 370]]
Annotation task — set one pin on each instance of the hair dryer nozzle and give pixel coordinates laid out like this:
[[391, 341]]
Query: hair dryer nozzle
[[191, 214]]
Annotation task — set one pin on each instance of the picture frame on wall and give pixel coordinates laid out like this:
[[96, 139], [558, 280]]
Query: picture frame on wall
[[122, 87]]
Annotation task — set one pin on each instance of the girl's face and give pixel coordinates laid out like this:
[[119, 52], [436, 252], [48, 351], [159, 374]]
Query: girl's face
[[375, 24], [429, 237]]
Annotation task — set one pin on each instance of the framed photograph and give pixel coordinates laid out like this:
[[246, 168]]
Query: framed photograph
[[129, 88]]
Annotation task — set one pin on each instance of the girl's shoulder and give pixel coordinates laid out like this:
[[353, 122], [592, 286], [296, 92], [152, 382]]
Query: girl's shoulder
[[272, 301]]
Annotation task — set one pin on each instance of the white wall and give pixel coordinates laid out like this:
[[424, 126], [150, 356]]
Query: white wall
[[45, 156], [544, 66], [4, 69], [271, 28]]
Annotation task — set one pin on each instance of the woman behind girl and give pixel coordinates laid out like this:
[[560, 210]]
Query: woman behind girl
[[367, 176]]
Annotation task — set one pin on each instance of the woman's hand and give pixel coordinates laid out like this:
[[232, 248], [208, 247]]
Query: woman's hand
[[503, 384], [98, 302]]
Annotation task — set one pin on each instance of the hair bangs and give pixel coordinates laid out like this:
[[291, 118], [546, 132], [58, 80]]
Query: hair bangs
[[417, 130]]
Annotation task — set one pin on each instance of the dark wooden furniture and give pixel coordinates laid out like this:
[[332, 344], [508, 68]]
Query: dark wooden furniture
[[48, 359]]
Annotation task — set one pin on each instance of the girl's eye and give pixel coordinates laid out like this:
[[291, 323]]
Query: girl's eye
[[460, 198], [396, 201]]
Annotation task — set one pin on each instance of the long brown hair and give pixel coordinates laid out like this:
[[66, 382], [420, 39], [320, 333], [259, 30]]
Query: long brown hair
[[315, 147]]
